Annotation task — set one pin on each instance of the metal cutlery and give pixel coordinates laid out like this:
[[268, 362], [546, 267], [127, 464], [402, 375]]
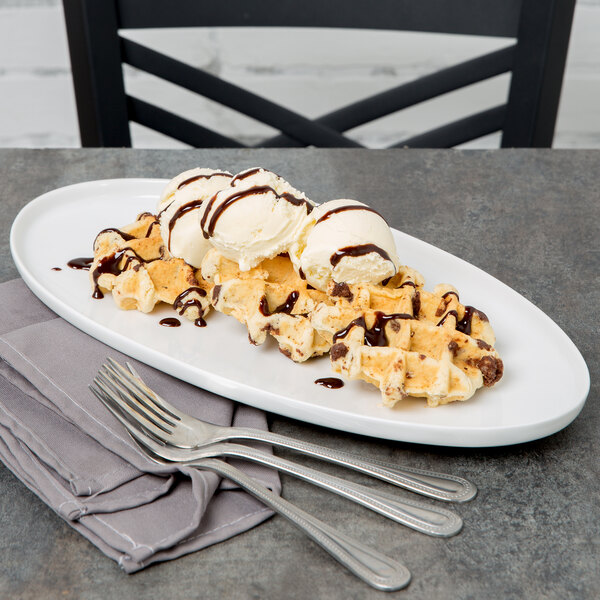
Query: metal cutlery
[[189, 432], [147, 427], [373, 567]]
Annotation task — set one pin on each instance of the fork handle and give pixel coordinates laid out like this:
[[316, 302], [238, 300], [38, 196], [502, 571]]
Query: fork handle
[[427, 483], [419, 516], [376, 569]]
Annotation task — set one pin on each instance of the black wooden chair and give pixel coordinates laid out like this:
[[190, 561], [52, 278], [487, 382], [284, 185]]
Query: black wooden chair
[[536, 62]]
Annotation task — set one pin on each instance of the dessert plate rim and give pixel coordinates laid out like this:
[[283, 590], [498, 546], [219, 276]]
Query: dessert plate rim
[[522, 407]]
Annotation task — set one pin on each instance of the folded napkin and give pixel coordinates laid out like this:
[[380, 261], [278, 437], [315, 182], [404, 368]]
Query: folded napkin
[[70, 451]]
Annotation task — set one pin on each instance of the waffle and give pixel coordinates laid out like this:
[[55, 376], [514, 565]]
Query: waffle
[[133, 264], [270, 299], [407, 341], [399, 337]]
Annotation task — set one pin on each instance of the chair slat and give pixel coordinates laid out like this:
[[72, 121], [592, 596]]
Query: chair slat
[[176, 127], [471, 17], [459, 132], [411, 93], [304, 130], [97, 76], [538, 74]]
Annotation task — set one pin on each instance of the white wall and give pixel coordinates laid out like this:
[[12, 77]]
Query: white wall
[[37, 107]]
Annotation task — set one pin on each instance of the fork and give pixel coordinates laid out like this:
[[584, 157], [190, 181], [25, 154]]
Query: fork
[[190, 432], [373, 567], [145, 427]]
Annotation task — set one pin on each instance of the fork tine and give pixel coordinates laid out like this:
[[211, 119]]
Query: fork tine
[[132, 377], [135, 401], [112, 408], [160, 431], [134, 372], [116, 372], [129, 407], [134, 382], [136, 429]]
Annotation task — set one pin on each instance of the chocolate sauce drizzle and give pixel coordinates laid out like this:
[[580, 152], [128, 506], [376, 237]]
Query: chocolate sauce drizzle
[[444, 296], [297, 201], [452, 313], [197, 177], [170, 322], [56, 269], [209, 230], [200, 322], [166, 208], [182, 210], [332, 383], [149, 230], [375, 336], [247, 173], [80, 264], [181, 304], [286, 307], [344, 208], [360, 250], [125, 236], [463, 325], [110, 264]]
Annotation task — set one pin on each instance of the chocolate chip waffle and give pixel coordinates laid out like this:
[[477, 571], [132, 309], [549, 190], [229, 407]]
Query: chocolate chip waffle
[[269, 299], [409, 342], [133, 264]]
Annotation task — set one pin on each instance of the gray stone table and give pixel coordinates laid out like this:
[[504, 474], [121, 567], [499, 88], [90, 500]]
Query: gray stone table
[[530, 218]]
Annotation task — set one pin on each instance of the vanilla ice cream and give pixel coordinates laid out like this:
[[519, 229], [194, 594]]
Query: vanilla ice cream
[[260, 215], [199, 174], [349, 242], [179, 212]]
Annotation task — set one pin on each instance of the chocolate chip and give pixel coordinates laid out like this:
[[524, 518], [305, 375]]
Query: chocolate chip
[[482, 315], [338, 351], [491, 368], [416, 304], [395, 325], [453, 347], [215, 293], [483, 345], [342, 290], [270, 329]]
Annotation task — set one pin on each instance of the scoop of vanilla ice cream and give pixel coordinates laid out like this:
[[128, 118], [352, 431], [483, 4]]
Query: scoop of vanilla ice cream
[[349, 242], [199, 175], [180, 213], [259, 216]]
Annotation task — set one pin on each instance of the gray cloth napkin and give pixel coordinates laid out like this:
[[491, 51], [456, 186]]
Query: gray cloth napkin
[[70, 451]]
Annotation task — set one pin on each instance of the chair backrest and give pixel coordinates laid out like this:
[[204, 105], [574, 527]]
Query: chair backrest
[[536, 61]]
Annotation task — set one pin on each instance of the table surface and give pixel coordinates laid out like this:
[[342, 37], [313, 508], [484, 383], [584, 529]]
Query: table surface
[[528, 217]]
